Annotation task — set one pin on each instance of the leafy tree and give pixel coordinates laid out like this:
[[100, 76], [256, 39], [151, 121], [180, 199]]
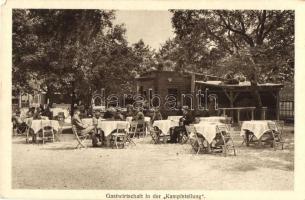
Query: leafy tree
[[74, 51], [258, 43]]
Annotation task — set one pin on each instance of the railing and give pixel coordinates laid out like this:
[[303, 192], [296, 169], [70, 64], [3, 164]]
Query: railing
[[239, 109], [286, 109]]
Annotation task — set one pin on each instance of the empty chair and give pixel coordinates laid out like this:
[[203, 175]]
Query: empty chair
[[156, 135], [47, 133], [197, 142], [141, 128], [223, 139], [276, 130], [119, 137]]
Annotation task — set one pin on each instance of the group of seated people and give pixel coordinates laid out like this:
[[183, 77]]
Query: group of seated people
[[34, 113], [188, 117], [110, 114]]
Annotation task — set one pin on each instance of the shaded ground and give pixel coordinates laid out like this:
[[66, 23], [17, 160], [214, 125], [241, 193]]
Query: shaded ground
[[148, 166]]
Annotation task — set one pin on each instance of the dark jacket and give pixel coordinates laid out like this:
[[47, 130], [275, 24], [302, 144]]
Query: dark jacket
[[77, 123]]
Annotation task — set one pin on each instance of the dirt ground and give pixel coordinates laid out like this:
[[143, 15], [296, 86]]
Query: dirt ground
[[148, 166]]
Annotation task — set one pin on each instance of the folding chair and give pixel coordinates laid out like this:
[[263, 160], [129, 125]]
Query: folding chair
[[79, 138], [184, 137], [276, 130], [224, 140], [141, 128], [197, 142], [120, 136], [131, 133], [47, 132], [156, 135]]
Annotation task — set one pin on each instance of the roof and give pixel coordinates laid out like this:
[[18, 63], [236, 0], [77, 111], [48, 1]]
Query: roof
[[241, 85]]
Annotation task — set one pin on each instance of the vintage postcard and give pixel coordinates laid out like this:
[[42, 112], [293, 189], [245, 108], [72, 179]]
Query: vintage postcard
[[159, 100]]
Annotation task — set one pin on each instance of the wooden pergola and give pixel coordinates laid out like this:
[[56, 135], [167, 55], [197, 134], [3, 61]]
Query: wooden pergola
[[234, 91]]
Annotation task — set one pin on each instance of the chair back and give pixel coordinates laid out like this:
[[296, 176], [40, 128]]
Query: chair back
[[222, 128], [46, 125], [280, 125], [272, 126], [133, 124], [122, 126]]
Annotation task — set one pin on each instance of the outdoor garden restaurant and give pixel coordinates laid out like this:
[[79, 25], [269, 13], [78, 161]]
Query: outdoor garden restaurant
[[207, 132]]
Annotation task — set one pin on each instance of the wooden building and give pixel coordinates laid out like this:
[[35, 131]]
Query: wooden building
[[197, 91]]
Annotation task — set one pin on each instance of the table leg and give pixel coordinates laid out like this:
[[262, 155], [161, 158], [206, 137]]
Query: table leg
[[247, 133]]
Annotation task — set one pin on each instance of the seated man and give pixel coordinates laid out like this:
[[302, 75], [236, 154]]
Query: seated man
[[186, 120], [99, 134], [18, 125], [82, 129]]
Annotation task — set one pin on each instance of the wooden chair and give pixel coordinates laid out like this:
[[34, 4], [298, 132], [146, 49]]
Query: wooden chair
[[120, 136], [79, 138], [224, 140], [47, 132], [184, 137], [131, 133], [156, 135], [141, 128], [197, 142], [276, 130]]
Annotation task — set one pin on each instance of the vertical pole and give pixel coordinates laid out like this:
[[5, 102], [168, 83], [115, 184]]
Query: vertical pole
[[252, 114], [238, 115], [193, 83], [277, 105]]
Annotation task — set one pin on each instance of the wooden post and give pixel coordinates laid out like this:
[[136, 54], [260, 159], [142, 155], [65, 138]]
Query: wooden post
[[263, 113], [277, 105], [252, 114], [193, 83], [238, 115]]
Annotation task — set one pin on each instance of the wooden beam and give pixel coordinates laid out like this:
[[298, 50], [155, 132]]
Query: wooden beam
[[230, 95]]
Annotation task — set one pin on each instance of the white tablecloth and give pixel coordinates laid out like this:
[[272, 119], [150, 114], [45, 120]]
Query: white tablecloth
[[165, 125], [208, 130], [37, 125], [89, 121], [109, 126], [58, 110], [213, 119], [257, 127], [174, 118], [146, 119]]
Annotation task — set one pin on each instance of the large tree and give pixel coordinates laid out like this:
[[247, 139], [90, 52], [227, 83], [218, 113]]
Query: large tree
[[258, 43], [78, 51]]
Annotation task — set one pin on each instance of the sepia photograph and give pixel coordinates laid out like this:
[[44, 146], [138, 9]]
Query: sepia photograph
[[176, 99]]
